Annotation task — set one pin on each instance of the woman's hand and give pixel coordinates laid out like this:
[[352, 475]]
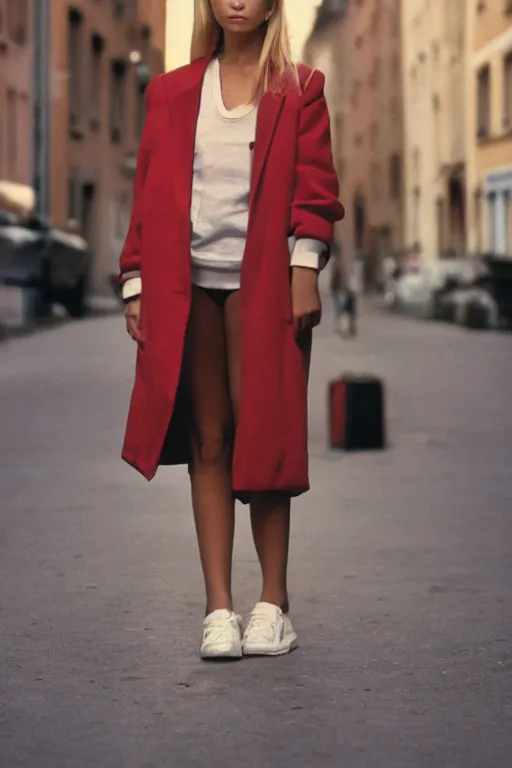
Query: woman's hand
[[306, 304], [132, 314]]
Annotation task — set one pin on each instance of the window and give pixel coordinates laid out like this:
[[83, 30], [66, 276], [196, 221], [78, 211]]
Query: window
[[73, 199], [17, 20], [507, 92], [483, 101], [118, 7], [75, 36], [140, 111], [97, 48], [117, 87], [12, 133], [395, 177]]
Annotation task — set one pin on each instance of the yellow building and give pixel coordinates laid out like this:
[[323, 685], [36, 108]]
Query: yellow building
[[433, 62], [489, 127]]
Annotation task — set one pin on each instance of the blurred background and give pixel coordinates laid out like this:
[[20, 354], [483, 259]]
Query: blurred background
[[420, 94]]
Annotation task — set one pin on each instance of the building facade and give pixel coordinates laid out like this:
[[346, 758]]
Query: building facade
[[489, 126], [102, 56], [357, 46], [16, 94], [434, 62]]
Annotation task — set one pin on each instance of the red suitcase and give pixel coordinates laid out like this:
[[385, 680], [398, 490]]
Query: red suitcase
[[357, 413]]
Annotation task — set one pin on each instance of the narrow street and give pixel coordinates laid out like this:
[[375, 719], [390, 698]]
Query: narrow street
[[401, 572]]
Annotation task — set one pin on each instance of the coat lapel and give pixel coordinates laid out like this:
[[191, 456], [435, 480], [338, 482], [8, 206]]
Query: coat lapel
[[183, 109], [268, 115]]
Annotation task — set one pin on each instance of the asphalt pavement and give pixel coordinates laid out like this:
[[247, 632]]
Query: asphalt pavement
[[401, 572]]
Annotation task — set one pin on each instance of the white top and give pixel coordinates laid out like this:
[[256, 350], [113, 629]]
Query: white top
[[220, 187], [220, 194], [220, 190]]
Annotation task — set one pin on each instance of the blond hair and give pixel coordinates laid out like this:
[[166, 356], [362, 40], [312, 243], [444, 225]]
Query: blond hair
[[275, 68]]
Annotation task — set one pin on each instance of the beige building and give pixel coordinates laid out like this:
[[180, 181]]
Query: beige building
[[103, 55], [16, 98], [357, 46], [433, 65], [489, 126]]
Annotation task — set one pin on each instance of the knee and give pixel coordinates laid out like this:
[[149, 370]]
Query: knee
[[212, 449]]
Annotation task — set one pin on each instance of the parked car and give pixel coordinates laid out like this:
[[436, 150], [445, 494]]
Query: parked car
[[56, 263], [500, 285], [419, 288], [7, 218]]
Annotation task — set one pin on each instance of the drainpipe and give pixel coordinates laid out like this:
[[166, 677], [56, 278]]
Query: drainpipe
[[41, 104], [33, 299]]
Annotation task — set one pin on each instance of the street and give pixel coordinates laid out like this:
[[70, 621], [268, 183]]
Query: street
[[401, 571]]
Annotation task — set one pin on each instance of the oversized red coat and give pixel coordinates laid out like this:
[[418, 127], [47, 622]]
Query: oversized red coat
[[294, 191]]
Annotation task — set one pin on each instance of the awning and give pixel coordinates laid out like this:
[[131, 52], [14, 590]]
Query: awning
[[19, 198]]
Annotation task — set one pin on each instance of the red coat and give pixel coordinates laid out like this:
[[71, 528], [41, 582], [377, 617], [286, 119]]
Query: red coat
[[294, 191]]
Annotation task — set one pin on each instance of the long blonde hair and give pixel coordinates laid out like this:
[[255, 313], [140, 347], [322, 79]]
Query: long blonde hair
[[275, 68]]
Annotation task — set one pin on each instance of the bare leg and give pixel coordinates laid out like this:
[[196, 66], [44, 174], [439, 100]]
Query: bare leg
[[210, 468], [270, 522], [270, 512]]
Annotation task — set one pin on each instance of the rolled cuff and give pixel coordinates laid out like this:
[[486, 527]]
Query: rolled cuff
[[131, 288], [309, 253]]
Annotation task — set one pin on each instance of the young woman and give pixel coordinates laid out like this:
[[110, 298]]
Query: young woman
[[234, 203]]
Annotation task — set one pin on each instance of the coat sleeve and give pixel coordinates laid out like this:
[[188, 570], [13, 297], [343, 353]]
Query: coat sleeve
[[129, 262], [315, 206]]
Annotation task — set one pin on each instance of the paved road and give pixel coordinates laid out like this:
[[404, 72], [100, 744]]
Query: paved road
[[401, 573]]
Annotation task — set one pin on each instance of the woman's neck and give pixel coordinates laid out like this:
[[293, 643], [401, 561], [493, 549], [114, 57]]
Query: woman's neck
[[242, 50]]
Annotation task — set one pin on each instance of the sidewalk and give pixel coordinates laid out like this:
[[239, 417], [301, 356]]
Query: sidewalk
[[13, 321]]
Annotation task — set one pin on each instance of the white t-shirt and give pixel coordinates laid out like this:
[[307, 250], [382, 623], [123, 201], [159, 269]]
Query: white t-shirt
[[220, 190]]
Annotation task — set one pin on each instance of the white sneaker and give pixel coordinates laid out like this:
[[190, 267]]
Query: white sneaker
[[269, 632], [222, 635]]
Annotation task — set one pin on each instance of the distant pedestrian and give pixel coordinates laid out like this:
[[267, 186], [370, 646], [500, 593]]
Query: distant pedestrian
[[344, 301], [235, 156]]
